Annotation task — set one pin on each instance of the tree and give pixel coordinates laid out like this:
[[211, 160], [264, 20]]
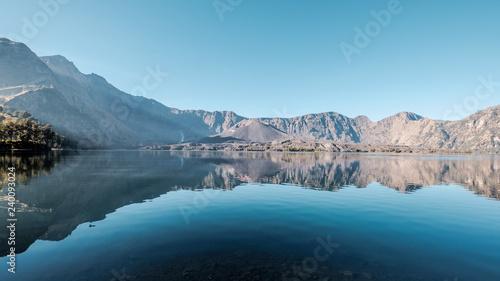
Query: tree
[[25, 130], [9, 130], [48, 134], [28, 134], [2, 132]]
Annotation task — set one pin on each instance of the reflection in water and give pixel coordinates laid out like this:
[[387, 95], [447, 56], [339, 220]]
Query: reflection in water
[[332, 171], [28, 165], [59, 191]]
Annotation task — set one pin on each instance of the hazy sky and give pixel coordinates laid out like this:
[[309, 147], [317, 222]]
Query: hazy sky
[[264, 58]]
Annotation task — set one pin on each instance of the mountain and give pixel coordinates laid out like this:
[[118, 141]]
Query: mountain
[[19, 66], [250, 131], [323, 126], [477, 132], [88, 109]]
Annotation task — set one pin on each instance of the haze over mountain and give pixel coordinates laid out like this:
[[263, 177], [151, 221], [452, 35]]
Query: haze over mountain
[[93, 112], [89, 109]]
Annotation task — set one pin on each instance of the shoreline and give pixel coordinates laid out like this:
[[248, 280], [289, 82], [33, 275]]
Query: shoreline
[[309, 146], [264, 147]]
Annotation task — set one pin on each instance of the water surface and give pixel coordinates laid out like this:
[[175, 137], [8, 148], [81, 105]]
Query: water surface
[[158, 215]]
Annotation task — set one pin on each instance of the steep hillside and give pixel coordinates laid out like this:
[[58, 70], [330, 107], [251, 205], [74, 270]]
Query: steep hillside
[[89, 109], [21, 70], [477, 132]]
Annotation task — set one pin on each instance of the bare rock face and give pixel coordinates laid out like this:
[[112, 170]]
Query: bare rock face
[[404, 128], [217, 121], [479, 132], [322, 126]]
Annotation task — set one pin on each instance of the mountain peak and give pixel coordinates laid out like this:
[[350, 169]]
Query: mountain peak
[[56, 58], [252, 130], [362, 118], [7, 43], [408, 116], [4, 40], [250, 122], [20, 66], [62, 66]]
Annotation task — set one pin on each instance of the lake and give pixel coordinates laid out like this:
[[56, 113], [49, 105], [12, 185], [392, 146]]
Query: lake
[[161, 215]]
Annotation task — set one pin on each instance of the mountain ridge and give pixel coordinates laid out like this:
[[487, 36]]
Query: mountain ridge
[[88, 108]]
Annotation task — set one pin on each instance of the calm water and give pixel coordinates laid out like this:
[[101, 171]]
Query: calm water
[[157, 215]]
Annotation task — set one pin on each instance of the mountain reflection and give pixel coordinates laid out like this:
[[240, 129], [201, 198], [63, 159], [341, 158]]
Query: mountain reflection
[[331, 172], [58, 191]]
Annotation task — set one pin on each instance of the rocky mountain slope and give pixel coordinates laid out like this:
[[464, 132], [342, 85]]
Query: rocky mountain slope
[[89, 109], [250, 130], [477, 132], [323, 126]]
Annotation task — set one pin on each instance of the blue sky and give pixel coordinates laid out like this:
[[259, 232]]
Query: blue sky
[[279, 58]]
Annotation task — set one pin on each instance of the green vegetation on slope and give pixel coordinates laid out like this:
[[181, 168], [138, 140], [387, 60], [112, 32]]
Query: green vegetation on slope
[[19, 130]]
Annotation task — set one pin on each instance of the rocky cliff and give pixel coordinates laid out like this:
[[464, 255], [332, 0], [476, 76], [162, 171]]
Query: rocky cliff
[[477, 132]]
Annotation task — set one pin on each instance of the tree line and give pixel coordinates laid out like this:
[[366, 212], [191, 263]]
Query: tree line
[[26, 134]]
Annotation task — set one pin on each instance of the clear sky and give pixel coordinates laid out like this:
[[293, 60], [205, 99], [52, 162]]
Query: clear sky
[[263, 58]]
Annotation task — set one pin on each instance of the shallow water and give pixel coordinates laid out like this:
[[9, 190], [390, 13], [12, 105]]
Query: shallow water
[[158, 215]]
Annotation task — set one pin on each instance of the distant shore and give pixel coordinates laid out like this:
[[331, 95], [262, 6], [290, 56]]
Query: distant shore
[[303, 146], [276, 146]]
